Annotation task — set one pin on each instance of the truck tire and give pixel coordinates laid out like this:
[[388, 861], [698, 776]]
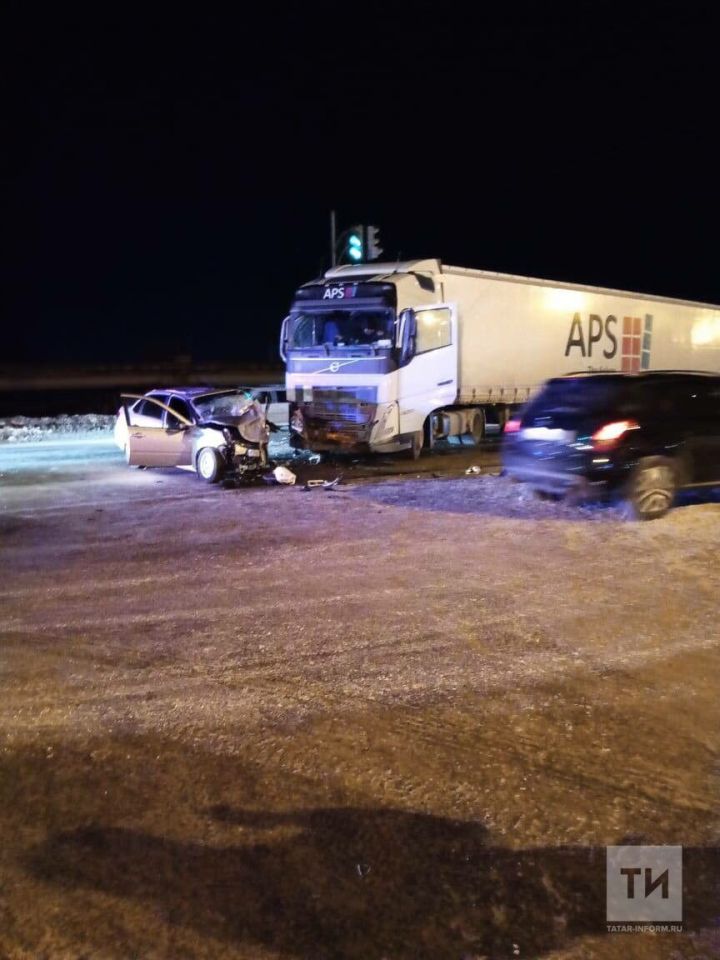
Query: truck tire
[[477, 427], [418, 440], [209, 465], [650, 490]]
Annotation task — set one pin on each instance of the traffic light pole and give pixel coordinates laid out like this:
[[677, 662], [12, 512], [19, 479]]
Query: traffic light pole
[[333, 239]]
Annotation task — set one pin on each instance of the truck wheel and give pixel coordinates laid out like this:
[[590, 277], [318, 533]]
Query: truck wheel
[[418, 438], [651, 489], [209, 465], [477, 427]]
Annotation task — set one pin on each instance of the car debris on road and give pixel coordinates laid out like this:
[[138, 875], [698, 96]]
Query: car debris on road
[[281, 475], [325, 484]]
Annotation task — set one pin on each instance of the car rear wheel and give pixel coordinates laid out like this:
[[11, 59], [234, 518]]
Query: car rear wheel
[[651, 489], [209, 465]]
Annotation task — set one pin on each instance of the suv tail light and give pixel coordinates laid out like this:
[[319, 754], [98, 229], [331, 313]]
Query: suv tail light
[[512, 426], [608, 435]]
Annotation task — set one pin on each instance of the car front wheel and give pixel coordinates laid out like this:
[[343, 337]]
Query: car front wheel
[[209, 465], [651, 489]]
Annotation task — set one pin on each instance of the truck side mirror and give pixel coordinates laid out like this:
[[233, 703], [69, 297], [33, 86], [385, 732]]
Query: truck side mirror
[[407, 331], [284, 339]]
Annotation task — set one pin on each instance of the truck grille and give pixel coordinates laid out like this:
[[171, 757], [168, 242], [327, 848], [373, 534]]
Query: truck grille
[[344, 413], [342, 423]]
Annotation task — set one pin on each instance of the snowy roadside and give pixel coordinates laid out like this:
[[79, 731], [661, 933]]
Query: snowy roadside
[[64, 426]]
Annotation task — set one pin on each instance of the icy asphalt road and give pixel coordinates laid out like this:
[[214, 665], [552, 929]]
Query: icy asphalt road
[[76, 453], [398, 719], [95, 461]]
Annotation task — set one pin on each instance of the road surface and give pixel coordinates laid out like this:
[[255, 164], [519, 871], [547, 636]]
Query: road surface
[[399, 719], [94, 460]]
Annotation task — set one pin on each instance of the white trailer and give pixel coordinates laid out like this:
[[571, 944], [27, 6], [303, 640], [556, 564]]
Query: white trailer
[[391, 356]]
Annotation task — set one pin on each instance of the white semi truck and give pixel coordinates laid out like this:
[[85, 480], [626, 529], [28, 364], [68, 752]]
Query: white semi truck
[[397, 356]]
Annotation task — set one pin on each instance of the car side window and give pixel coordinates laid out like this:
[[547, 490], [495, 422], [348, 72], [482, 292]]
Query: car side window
[[711, 402], [179, 406], [690, 400], [149, 409], [668, 401]]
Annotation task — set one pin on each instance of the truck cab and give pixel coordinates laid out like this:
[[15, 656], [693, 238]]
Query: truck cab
[[371, 353]]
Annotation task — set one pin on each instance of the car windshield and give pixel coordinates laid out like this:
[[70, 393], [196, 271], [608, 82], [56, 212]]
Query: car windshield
[[343, 328], [223, 405]]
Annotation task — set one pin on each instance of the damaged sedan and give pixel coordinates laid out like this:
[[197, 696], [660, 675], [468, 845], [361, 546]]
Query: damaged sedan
[[217, 433]]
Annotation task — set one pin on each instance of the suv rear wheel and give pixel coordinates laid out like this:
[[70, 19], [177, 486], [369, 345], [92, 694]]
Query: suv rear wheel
[[651, 489]]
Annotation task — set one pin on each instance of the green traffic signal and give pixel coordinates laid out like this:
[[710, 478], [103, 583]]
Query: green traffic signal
[[355, 247]]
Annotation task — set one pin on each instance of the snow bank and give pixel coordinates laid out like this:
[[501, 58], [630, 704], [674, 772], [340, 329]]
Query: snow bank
[[24, 429]]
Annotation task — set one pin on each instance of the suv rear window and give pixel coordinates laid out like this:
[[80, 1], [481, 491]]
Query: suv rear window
[[566, 400], [578, 395]]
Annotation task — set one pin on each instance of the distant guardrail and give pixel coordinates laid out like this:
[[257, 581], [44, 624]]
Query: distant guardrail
[[79, 378]]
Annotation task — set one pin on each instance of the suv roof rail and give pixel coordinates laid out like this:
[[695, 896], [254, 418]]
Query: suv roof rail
[[694, 373], [640, 373], [594, 373]]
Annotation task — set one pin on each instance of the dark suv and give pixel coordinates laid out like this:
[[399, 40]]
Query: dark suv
[[642, 436]]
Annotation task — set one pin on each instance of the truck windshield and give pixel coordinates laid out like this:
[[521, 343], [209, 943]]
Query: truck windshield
[[343, 328]]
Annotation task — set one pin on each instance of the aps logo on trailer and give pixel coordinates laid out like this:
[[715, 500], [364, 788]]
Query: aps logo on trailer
[[604, 334]]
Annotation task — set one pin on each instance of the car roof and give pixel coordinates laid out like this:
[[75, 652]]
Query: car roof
[[191, 392], [194, 392]]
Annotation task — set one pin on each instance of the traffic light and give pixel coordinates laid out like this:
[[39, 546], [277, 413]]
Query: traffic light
[[355, 245], [359, 244], [372, 243]]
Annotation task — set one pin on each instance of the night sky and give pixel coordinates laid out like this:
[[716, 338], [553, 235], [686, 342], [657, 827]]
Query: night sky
[[168, 176]]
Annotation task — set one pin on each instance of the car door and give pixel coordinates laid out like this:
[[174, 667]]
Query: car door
[[278, 409], [159, 442], [704, 400], [177, 417]]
